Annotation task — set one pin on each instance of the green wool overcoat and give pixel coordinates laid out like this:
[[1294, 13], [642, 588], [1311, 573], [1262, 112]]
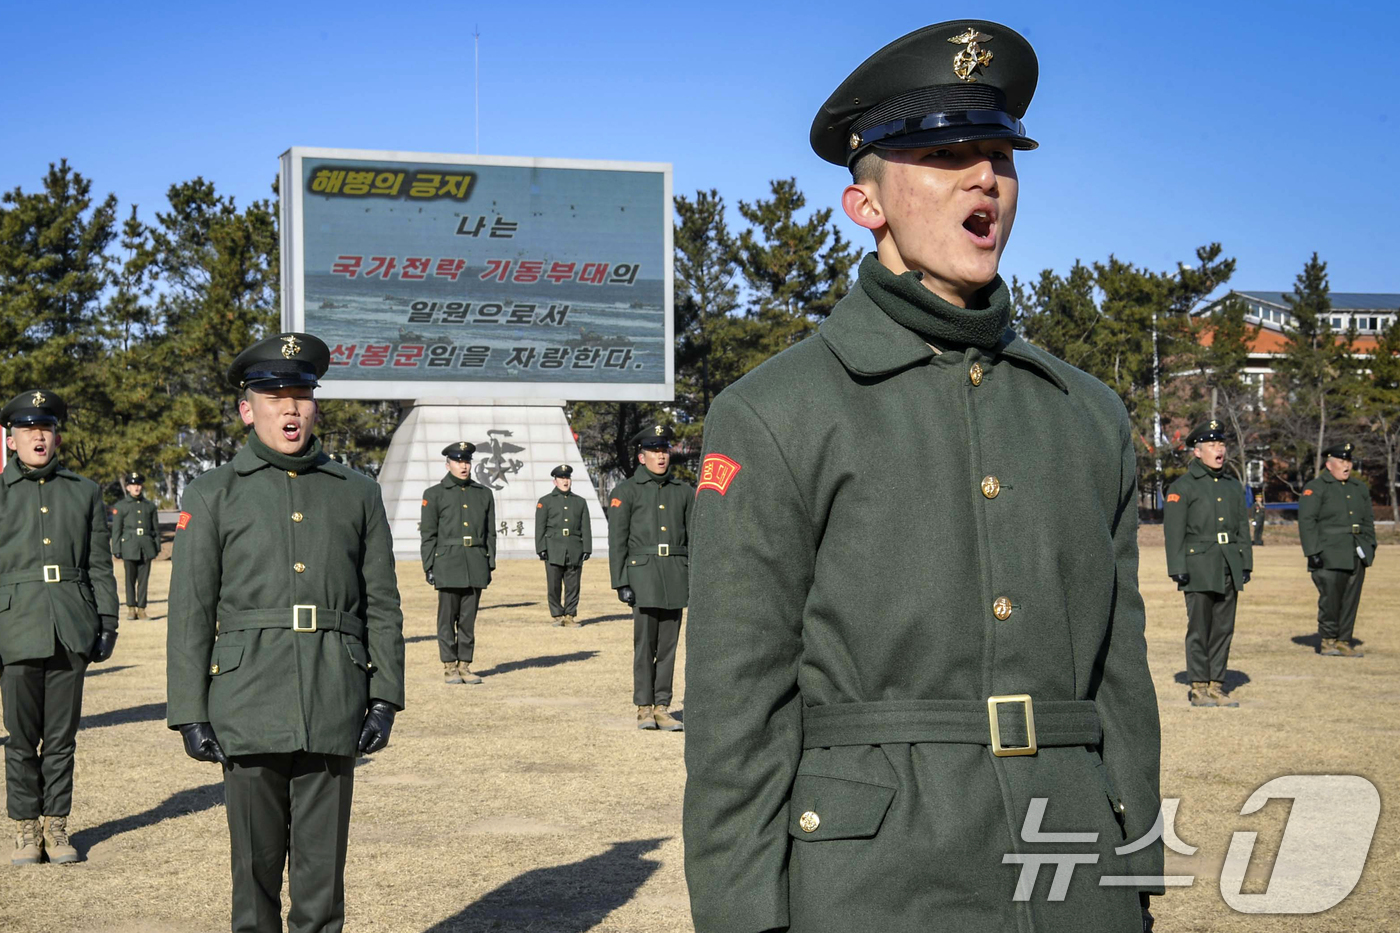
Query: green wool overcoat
[[562, 528], [55, 528], [458, 532], [135, 529], [648, 518], [1207, 530], [253, 542], [1334, 519], [894, 536]]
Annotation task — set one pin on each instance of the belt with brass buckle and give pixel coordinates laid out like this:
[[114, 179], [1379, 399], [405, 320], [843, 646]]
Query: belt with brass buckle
[[140, 532], [466, 540], [1356, 529], [297, 611], [663, 550], [51, 574], [1000, 750], [566, 532], [1222, 538]]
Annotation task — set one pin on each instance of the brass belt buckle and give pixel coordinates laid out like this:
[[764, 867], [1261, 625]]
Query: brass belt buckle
[[466, 540], [140, 532], [296, 619], [566, 532], [998, 749], [1356, 529], [51, 577], [1223, 537], [663, 550]]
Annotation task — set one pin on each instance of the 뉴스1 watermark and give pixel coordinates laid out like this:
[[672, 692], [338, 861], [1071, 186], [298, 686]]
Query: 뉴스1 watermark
[[1319, 861]]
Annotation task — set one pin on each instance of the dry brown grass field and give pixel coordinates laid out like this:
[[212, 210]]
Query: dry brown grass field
[[530, 803]]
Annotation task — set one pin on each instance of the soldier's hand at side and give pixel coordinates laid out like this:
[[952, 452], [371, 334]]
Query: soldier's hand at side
[[379, 721], [1314, 561], [429, 575], [1246, 576], [1147, 919], [625, 594], [587, 554], [1182, 578], [200, 743], [106, 641], [544, 555]]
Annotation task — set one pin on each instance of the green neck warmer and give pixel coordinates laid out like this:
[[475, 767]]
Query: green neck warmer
[[36, 473], [297, 462], [905, 299]]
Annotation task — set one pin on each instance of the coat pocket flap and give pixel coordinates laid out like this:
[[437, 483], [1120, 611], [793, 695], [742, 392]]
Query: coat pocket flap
[[226, 658], [836, 808], [4, 600], [358, 654], [641, 561]]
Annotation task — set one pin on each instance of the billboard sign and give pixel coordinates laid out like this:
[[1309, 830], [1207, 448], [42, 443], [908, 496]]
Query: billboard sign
[[480, 276]]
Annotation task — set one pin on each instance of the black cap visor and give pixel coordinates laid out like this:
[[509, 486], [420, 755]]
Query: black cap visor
[[33, 419], [944, 128], [265, 380]]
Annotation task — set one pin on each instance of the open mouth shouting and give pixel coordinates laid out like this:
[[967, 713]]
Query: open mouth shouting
[[292, 430], [981, 225]]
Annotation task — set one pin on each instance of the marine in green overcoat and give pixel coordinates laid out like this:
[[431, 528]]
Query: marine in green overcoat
[[58, 612], [1210, 556], [1337, 528], [648, 554], [458, 534], [564, 540], [284, 652], [909, 527], [136, 540]]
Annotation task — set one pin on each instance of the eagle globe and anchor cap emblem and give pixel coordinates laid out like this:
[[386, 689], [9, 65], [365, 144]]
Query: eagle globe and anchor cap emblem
[[290, 347], [1215, 425], [659, 430], [972, 57], [38, 399]]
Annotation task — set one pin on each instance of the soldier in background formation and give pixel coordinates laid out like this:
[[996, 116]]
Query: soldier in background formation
[[647, 550], [564, 540], [1337, 528], [1210, 557], [285, 649], [458, 532], [58, 613], [136, 540]]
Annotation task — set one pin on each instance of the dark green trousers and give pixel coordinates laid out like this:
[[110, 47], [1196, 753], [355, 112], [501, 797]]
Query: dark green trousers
[[291, 804], [43, 702], [1338, 596], [1210, 627], [566, 579], [655, 633], [457, 623], [138, 574]]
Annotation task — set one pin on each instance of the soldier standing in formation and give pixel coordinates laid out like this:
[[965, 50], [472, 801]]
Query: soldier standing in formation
[[1338, 531], [648, 521], [58, 612], [285, 645], [564, 540], [458, 531], [1210, 557], [136, 540], [895, 650]]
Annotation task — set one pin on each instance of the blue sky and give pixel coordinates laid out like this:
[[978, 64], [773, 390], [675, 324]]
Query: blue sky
[[1269, 126]]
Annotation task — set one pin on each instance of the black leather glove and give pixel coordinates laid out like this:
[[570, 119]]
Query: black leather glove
[[625, 594], [379, 722], [1246, 576], [102, 648], [429, 576], [200, 743], [1181, 578], [1314, 561], [587, 554], [544, 555]]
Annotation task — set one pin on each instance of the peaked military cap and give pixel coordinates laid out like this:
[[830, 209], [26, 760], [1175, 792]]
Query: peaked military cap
[[952, 82], [133, 479], [462, 450], [35, 407], [281, 361], [1210, 431], [1340, 451], [654, 435], [563, 471]]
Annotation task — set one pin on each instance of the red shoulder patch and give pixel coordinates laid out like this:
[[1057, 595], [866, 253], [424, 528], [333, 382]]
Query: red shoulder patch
[[716, 473], [183, 522], [615, 503], [114, 510], [425, 503], [1307, 492], [1174, 497], [539, 505]]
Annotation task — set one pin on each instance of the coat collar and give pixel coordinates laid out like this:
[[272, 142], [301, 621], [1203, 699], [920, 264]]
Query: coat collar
[[13, 474], [556, 491], [643, 475], [449, 481], [1198, 469], [247, 461], [868, 342]]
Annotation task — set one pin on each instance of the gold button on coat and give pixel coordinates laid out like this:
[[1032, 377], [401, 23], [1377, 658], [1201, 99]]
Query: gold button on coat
[[44, 509], [1002, 608], [292, 474], [975, 374], [213, 668], [991, 486], [297, 516], [299, 567], [464, 505], [663, 527], [809, 821], [47, 541]]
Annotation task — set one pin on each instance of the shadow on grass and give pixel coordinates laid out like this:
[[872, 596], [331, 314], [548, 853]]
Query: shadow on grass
[[548, 660], [508, 606], [1314, 641], [146, 712], [417, 638], [568, 898], [190, 800], [97, 670], [1232, 680], [612, 618]]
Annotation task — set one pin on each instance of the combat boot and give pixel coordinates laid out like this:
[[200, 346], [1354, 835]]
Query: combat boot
[[465, 670], [1216, 691], [1200, 694], [450, 674], [56, 843], [1329, 648], [131, 612], [570, 621], [665, 721], [140, 612], [1344, 649], [645, 720], [29, 843]]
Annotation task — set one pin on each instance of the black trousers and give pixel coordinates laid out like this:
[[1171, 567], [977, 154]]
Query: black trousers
[[43, 703], [457, 623], [1210, 627], [655, 633], [1338, 596], [138, 574], [567, 579], [295, 804]]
